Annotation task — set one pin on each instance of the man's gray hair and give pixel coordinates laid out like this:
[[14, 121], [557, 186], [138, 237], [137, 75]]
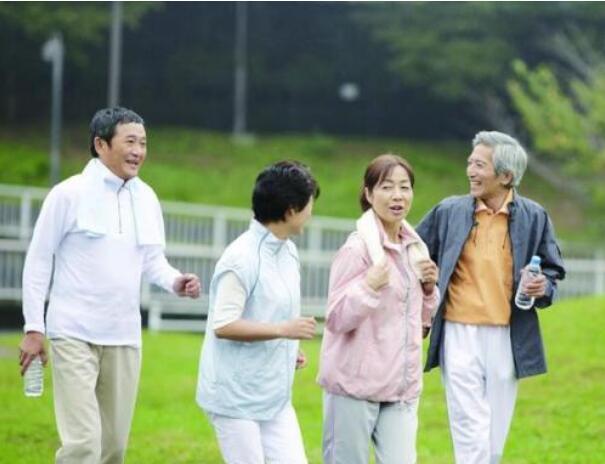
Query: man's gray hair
[[508, 154]]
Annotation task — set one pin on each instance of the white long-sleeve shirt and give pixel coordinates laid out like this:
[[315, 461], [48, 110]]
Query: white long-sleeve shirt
[[96, 284]]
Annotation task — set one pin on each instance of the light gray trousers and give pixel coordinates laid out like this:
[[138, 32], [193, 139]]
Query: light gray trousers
[[350, 425]]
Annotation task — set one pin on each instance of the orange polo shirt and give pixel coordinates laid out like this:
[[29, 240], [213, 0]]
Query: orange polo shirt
[[481, 286]]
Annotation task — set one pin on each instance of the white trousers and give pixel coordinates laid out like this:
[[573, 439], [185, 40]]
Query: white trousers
[[350, 425], [479, 377], [245, 441], [95, 390]]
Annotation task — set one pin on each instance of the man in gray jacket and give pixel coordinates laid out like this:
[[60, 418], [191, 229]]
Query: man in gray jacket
[[482, 341]]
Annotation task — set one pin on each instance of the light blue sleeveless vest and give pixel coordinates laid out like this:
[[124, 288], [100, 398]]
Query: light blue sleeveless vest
[[253, 380]]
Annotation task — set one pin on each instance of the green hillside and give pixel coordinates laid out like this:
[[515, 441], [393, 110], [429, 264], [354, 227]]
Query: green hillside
[[208, 167]]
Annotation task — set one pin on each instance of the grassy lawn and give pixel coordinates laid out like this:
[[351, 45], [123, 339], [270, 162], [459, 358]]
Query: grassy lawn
[[560, 416], [208, 167]]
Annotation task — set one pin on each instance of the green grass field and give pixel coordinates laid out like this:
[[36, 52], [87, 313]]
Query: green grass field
[[208, 167], [560, 416]]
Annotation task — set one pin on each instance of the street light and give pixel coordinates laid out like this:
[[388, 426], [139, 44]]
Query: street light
[[52, 51], [115, 55], [348, 91], [239, 97]]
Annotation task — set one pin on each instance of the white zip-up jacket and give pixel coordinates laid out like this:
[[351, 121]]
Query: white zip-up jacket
[[96, 284]]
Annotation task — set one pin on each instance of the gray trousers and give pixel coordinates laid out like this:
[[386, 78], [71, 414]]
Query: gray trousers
[[350, 425]]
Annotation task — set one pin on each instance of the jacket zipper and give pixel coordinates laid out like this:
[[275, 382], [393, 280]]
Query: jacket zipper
[[287, 350], [405, 328], [120, 207], [405, 344], [511, 212], [119, 211]]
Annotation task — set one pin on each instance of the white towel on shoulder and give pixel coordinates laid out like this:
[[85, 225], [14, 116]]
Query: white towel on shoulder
[[368, 229], [93, 213]]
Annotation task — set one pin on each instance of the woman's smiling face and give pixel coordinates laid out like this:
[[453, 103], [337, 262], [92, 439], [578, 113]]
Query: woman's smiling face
[[392, 197]]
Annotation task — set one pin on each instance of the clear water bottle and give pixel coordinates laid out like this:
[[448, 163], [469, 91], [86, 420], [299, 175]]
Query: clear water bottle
[[33, 378], [522, 301]]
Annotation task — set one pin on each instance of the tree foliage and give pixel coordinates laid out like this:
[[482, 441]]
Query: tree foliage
[[566, 122], [454, 49], [462, 51]]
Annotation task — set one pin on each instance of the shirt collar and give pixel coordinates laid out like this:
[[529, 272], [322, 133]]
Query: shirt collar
[[481, 206], [273, 243], [114, 182]]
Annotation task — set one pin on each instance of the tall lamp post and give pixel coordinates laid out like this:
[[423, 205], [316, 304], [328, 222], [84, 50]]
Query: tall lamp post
[[115, 55], [52, 51], [239, 98]]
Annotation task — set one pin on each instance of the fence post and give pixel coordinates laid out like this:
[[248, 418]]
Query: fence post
[[25, 215], [314, 238], [219, 233], [599, 268]]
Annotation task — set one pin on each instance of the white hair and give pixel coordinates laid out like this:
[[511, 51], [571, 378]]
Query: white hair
[[508, 154]]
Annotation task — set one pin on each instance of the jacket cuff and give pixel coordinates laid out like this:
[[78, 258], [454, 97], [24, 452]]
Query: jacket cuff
[[369, 296], [430, 304], [168, 284], [549, 296], [34, 328]]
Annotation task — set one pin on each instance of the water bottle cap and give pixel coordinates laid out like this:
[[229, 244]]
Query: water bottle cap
[[536, 260]]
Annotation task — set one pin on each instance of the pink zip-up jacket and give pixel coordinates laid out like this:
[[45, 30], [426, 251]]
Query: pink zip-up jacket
[[372, 342]]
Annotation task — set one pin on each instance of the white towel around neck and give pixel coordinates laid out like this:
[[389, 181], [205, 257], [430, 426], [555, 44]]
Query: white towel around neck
[[94, 213], [368, 230]]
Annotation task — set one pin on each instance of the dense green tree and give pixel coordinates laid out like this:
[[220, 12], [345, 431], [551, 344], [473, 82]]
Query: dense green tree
[[565, 120], [462, 51]]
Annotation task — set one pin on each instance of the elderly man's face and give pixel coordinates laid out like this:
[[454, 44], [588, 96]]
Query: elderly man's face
[[484, 183], [127, 151]]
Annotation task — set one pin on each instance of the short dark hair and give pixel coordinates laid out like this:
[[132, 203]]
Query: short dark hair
[[281, 186], [379, 168], [104, 122]]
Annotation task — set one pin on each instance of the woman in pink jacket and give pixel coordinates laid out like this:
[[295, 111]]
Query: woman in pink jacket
[[381, 299]]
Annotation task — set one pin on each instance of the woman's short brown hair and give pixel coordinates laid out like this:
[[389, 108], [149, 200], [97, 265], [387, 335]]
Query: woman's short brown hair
[[379, 168]]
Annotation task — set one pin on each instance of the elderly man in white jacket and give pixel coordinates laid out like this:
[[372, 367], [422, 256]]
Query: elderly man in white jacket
[[103, 229]]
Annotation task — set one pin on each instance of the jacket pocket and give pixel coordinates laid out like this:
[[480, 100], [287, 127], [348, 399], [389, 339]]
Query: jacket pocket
[[260, 364]]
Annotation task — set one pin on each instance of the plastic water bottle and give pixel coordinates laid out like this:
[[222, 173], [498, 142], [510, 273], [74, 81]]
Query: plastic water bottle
[[521, 299], [33, 378]]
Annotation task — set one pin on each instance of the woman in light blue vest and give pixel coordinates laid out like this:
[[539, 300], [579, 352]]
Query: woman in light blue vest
[[250, 350]]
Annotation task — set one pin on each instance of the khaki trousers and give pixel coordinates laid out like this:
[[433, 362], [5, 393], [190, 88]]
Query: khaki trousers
[[95, 389]]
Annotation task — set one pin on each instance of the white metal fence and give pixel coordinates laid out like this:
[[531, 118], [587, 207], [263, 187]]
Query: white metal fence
[[196, 236]]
